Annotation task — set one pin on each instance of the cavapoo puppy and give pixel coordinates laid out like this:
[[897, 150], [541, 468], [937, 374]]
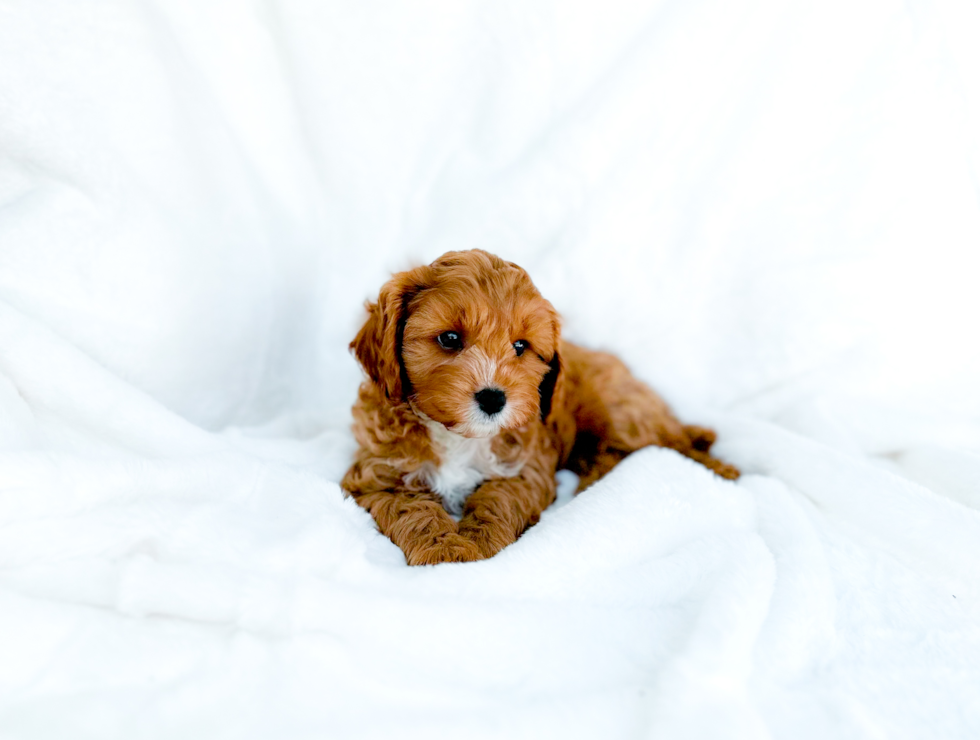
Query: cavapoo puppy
[[473, 401]]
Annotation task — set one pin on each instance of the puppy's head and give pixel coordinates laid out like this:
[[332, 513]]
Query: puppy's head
[[467, 340]]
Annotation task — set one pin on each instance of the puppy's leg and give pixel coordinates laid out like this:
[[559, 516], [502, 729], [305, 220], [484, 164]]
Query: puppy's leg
[[616, 414], [591, 466], [415, 520], [701, 440], [499, 511], [412, 518], [419, 525]]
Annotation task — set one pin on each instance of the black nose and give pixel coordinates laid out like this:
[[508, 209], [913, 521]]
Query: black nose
[[491, 400]]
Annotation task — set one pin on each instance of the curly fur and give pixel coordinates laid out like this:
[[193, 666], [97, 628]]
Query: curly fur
[[427, 450]]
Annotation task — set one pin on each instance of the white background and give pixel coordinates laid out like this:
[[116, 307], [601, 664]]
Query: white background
[[770, 210]]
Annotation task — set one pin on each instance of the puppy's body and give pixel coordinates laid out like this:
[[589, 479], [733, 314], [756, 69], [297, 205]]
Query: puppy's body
[[473, 403]]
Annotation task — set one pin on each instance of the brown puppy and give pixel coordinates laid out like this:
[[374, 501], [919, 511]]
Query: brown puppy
[[474, 401]]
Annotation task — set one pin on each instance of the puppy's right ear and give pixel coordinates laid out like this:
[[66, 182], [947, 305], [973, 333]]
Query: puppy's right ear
[[378, 345]]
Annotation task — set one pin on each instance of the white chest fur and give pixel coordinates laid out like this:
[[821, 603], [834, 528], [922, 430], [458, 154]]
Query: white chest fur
[[463, 465]]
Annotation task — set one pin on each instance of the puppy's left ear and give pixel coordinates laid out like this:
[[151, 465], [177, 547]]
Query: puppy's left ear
[[378, 345], [546, 390]]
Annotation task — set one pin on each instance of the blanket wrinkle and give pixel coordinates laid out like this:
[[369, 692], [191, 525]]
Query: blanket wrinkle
[[800, 625]]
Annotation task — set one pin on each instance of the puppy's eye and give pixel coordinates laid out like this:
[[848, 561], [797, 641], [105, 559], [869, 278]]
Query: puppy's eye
[[450, 340], [519, 346]]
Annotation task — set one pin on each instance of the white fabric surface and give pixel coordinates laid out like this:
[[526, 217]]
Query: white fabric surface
[[770, 210]]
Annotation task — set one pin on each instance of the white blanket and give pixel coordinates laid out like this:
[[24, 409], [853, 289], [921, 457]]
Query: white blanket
[[769, 210]]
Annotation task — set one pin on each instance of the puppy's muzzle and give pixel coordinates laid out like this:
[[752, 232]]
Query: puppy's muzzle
[[491, 400]]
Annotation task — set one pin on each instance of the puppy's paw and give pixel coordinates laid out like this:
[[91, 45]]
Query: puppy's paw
[[727, 471], [484, 537], [450, 548]]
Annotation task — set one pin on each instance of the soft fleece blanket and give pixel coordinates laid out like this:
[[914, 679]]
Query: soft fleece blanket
[[770, 210]]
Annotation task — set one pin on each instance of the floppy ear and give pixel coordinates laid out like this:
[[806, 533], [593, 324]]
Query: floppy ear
[[378, 345], [546, 390]]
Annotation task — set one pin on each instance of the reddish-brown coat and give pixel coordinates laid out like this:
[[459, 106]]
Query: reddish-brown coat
[[598, 413]]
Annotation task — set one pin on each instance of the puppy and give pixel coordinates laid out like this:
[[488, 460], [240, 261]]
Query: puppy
[[473, 401]]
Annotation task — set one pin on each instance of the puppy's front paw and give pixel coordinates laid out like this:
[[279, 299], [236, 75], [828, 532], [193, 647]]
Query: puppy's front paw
[[450, 548], [486, 538]]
